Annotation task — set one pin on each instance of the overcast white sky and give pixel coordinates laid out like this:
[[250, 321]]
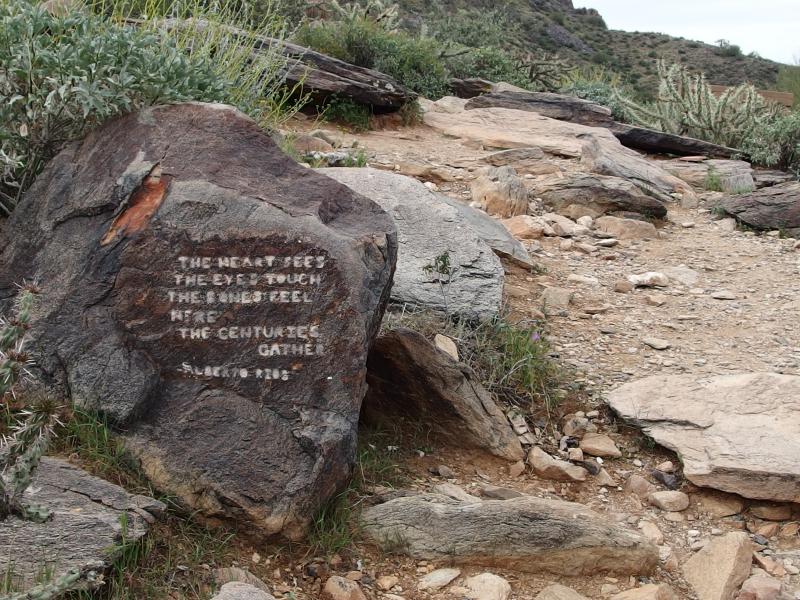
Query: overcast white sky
[[769, 27]]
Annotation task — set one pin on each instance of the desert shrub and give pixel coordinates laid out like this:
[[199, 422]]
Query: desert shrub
[[512, 359], [474, 28], [489, 63], [598, 85], [345, 110], [725, 48], [789, 81], [414, 61], [62, 75], [776, 142], [222, 36], [686, 106], [600, 92]]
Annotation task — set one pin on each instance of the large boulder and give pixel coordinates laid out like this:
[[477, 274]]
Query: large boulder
[[526, 534], [411, 378], [576, 195], [776, 207], [736, 433], [555, 106], [430, 226], [213, 297], [84, 530]]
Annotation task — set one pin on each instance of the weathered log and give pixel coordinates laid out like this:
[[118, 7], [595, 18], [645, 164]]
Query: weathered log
[[316, 74], [649, 140], [323, 77], [576, 110]]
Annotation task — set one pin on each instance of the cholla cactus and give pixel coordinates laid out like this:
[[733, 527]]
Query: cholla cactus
[[687, 106], [544, 71], [13, 360], [384, 14], [23, 448], [90, 576]]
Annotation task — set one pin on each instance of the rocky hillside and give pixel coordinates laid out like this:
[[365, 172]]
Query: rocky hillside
[[581, 35]]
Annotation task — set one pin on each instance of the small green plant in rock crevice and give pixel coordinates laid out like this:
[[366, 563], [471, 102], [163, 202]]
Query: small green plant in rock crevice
[[335, 526], [359, 159], [713, 181], [512, 359], [348, 112], [443, 270]]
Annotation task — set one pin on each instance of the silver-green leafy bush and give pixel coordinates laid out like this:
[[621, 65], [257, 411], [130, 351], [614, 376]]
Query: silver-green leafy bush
[[239, 41], [686, 106], [776, 143], [65, 72], [62, 74]]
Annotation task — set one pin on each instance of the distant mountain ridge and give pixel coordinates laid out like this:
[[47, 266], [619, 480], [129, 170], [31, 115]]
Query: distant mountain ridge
[[581, 35]]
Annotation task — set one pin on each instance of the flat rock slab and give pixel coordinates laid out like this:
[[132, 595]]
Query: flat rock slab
[[429, 227], [506, 128], [86, 523], [555, 106], [215, 299], [526, 534], [736, 433]]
